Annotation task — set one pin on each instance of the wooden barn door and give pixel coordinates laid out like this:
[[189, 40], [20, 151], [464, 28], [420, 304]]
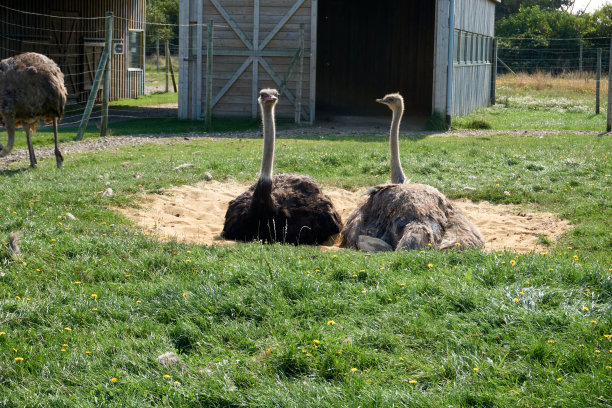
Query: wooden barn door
[[66, 50], [255, 42], [92, 54]]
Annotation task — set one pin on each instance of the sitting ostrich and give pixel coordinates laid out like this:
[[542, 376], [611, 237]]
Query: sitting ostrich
[[406, 215], [283, 208], [31, 89]]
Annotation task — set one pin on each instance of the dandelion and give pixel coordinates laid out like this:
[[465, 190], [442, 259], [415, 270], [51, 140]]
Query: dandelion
[[177, 383], [67, 329], [429, 244], [2, 333], [52, 239], [515, 300], [412, 382], [430, 265], [77, 282], [587, 291], [581, 345], [63, 349], [382, 268], [187, 260], [166, 375], [476, 369], [138, 301], [316, 342], [362, 271], [185, 294], [401, 359], [127, 275], [597, 351], [88, 352], [114, 380], [334, 256], [18, 358], [354, 369], [14, 349], [364, 291], [512, 262], [521, 293], [93, 296], [594, 321], [95, 309], [308, 355], [354, 275], [545, 253], [331, 323], [457, 244], [575, 257], [551, 341], [339, 352], [608, 367], [559, 379], [586, 309]]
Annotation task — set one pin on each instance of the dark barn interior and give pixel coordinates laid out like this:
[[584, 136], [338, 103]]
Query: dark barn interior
[[366, 49]]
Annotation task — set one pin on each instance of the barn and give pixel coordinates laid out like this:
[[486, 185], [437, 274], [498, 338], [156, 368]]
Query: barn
[[71, 32], [354, 51]]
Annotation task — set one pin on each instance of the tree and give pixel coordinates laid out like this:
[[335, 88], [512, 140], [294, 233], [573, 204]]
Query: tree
[[509, 7], [162, 20]]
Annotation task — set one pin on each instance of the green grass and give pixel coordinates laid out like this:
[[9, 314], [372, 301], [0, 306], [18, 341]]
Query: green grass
[[560, 105], [157, 98], [252, 323]]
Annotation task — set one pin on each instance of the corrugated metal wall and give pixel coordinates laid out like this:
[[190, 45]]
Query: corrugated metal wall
[[472, 81], [74, 41]]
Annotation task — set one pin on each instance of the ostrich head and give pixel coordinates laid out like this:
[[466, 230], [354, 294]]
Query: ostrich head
[[268, 97], [394, 101]]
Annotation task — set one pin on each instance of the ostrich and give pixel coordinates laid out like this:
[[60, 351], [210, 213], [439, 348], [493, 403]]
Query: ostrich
[[31, 89], [283, 208], [406, 215]]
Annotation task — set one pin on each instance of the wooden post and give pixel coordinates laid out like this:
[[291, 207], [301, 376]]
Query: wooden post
[[96, 83], [580, 58], [157, 50], [167, 66], [172, 74], [108, 45], [494, 71], [209, 67], [298, 92], [609, 111], [598, 81]]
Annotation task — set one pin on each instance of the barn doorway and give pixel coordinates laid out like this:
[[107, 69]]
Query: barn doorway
[[366, 49]]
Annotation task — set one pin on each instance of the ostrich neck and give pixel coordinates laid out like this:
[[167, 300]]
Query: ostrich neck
[[268, 150], [397, 175]]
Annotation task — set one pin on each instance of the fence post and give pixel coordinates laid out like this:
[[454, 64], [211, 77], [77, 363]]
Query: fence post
[[598, 81], [108, 43], [157, 51], [298, 92], [580, 58], [96, 84], [494, 72], [609, 111], [167, 66], [209, 67], [171, 69]]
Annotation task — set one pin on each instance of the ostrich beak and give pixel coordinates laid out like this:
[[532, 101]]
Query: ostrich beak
[[381, 101], [270, 98]]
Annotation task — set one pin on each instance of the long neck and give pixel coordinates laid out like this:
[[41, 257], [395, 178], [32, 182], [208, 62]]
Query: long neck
[[397, 175], [269, 132]]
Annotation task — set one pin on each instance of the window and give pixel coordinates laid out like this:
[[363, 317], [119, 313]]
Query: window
[[135, 50], [193, 38], [468, 51], [456, 42]]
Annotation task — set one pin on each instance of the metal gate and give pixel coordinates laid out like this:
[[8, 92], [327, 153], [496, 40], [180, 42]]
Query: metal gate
[[255, 44]]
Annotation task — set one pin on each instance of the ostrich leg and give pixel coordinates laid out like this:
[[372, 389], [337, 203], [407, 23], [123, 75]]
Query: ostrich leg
[[33, 162], [59, 159], [10, 130]]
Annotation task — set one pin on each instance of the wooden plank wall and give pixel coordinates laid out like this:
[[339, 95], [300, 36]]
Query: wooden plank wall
[[471, 82], [239, 100], [38, 31]]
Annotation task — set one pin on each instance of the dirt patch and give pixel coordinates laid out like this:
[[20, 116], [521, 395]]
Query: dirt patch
[[196, 213]]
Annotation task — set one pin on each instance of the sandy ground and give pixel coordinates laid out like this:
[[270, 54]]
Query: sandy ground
[[196, 213]]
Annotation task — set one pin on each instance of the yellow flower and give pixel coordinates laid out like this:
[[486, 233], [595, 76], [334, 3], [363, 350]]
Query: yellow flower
[[412, 382], [317, 342], [515, 300], [331, 323], [575, 257], [94, 296], [476, 369], [127, 275], [166, 375], [354, 275], [354, 369], [95, 309], [429, 244], [63, 350], [362, 270], [114, 380], [585, 308], [521, 293], [597, 351], [608, 367], [559, 379], [512, 262], [18, 358], [185, 294], [382, 268], [364, 291], [334, 256], [138, 301], [177, 383], [401, 359], [457, 244], [67, 329], [308, 355], [594, 321], [64, 345], [430, 265], [187, 260], [581, 345], [88, 352], [2, 333], [551, 341]]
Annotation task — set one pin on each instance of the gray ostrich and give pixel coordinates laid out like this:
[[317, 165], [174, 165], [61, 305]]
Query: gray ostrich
[[31, 89], [405, 215]]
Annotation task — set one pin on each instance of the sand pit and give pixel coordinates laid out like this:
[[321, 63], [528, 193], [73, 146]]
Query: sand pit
[[196, 213]]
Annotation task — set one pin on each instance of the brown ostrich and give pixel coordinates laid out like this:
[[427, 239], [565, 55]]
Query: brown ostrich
[[31, 89], [286, 208], [407, 215]]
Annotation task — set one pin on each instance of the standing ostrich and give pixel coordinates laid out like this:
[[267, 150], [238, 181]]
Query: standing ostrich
[[31, 89], [283, 208], [406, 215]]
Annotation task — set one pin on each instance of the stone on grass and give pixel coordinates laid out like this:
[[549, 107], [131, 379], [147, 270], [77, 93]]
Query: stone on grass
[[72, 217], [184, 166], [207, 176], [108, 192]]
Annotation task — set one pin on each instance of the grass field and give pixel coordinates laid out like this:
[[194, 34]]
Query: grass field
[[90, 303], [542, 101]]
